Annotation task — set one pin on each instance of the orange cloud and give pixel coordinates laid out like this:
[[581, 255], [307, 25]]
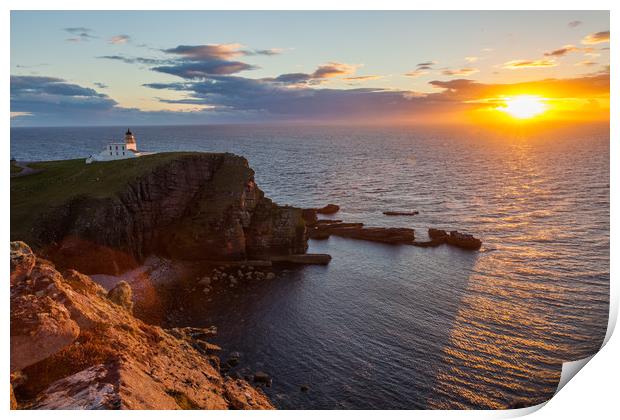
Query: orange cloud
[[333, 69], [596, 38], [467, 71], [119, 39], [416, 73], [560, 52], [524, 64], [579, 99], [586, 63]]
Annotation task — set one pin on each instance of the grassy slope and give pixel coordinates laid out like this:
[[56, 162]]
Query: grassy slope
[[60, 181], [15, 169]]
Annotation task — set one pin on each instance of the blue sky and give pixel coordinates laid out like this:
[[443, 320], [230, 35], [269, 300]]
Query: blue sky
[[201, 67]]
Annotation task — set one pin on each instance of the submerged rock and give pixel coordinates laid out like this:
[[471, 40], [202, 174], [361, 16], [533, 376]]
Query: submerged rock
[[401, 213]]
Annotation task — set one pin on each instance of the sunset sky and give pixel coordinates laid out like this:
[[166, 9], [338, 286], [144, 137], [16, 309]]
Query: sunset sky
[[110, 68]]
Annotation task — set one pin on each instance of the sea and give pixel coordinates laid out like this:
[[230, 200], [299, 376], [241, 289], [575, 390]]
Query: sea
[[401, 327]]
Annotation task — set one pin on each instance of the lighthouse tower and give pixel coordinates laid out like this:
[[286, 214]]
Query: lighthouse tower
[[130, 141]]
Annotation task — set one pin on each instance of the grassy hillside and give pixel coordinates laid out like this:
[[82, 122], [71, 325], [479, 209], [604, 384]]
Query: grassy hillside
[[15, 169], [60, 181]]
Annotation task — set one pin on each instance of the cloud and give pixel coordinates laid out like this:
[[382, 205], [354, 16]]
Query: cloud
[[471, 59], [363, 78], [202, 61], [229, 98], [467, 71], [119, 39], [574, 23], [31, 66], [324, 71], [466, 90], [207, 52], [193, 62], [137, 60], [80, 34], [333, 69], [524, 64], [586, 63], [596, 38], [20, 114], [268, 52], [416, 73], [39, 95], [560, 52], [204, 69]]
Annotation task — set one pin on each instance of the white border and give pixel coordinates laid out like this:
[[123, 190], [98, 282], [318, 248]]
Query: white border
[[593, 395]]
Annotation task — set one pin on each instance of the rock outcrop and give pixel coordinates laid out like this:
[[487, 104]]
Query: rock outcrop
[[198, 206], [401, 213], [455, 238], [74, 348], [323, 229]]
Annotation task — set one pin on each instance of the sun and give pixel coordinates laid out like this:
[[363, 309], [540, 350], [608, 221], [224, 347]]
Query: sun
[[524, 106]]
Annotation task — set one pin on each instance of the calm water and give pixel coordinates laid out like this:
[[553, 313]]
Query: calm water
[[399, 326]]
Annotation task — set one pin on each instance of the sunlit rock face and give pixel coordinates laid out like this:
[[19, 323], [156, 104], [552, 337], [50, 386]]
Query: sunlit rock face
[[196, 207], [73, 347]]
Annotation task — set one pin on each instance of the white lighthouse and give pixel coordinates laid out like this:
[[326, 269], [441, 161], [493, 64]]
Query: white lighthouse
[[130, 141], [119, 150]]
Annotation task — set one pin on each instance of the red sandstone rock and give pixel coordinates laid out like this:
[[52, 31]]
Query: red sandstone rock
[[116, 361]]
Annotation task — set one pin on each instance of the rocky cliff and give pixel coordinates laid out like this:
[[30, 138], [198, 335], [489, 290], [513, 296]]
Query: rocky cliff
[[193, 206], [74, 346]]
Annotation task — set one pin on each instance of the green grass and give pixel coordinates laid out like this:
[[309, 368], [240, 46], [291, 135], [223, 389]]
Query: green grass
[[61, 181], [15, 169]]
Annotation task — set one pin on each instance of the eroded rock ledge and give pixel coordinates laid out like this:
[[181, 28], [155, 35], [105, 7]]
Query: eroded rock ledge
[[74, 346]]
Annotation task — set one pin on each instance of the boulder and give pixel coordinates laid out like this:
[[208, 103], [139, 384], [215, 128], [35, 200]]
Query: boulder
[[454, 238], [22, 261], [463, 240], [40, 325], [328, 209], [242, 396], [121, 295], [262, 377]]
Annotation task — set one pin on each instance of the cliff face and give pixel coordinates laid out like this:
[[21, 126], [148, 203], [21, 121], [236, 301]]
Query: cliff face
[[195, 207], [73, 347]]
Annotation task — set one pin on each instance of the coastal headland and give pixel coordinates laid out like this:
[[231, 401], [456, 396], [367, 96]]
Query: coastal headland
[[75, 342]]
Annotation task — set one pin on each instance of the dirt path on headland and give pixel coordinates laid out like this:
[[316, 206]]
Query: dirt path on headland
[[26, 170]]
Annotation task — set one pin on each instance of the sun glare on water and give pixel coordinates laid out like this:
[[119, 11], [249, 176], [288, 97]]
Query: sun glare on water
[[524, 106]]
